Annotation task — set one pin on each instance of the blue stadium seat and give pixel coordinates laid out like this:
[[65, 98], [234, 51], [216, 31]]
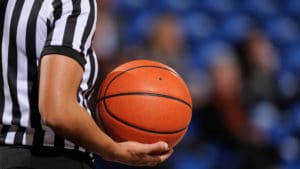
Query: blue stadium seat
[[260, 8], [291, 58], [131, 6], [292, 7], [199, 27], [217, 7], [294, 119], [137, 28], [283, 30], [288, 81], [265, 116], [236, 27], [211, 50], [174, 5], [289, 151]]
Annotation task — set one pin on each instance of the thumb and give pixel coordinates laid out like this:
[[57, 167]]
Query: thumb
[[157, 148]]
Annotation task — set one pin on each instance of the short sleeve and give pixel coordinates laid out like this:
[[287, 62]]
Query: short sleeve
[[71, 26]]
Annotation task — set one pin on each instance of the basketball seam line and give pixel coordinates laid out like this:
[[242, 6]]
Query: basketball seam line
[[147, 94], [140, 128]]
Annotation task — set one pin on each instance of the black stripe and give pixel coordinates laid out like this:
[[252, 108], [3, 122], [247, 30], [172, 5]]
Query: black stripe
[[19, 135], [38, 139], [146, 94], [76, 147], [2, 16], [57, 6], [89, 26], [12, 67], [88, 93], [79, 93], [59, 142], [71, 23], [93, 70], [66, 51], [13, 62], [3, 134], [32, 73], [1, 2]]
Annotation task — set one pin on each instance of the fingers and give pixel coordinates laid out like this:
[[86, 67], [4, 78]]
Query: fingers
[[155, 148], [164, 156], [156, 153], [139, 154], [153, 160]]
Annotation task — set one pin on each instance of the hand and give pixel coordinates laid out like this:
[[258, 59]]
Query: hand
[[138, 154]]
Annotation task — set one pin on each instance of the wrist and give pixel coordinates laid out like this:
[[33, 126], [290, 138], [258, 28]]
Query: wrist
[[110, 151]]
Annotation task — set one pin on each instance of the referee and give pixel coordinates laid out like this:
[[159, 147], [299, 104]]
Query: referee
[[48, 71]]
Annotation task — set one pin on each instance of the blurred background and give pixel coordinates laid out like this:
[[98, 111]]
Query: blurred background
[[241, 61]]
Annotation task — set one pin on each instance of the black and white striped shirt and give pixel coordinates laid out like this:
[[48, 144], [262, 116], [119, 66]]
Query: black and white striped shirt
[[30, 29]]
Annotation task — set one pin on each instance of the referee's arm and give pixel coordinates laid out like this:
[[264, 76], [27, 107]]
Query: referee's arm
[[60, 77], [61, 70]]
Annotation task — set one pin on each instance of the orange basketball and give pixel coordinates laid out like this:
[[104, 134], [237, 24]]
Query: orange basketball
[[144, 101]]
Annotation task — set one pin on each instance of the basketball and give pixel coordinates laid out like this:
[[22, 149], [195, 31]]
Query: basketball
[[144, 101]]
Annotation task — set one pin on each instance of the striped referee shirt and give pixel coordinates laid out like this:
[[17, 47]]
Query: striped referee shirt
[[30, 29]]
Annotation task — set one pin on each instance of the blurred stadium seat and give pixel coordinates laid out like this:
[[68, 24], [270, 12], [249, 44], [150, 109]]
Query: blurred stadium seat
[[173, 5], [199, 27], [283, 30], [292, 7], [260, 8], [130, 6], [217, 7], [211, 50], [138, 28], [236, 27], [212, 27], [291, 58]]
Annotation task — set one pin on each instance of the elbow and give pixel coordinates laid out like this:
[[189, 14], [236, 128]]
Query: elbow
[[52, 115]]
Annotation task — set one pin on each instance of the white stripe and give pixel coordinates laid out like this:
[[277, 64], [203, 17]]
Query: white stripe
[[84, 84], [10, 137], [28, 137], [88, 110], [7, 114], [60, 24], [81, 24], [49, 138], [22, 84], [86, 75], [89, 39], [96, 67], [80, 98], [81, 149], [41, 29], [69, 144]]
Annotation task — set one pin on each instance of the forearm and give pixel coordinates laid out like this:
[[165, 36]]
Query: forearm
[[59, 80], [78, 126]]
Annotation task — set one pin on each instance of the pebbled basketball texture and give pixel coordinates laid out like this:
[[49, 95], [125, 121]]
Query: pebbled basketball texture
[[144, 101]]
